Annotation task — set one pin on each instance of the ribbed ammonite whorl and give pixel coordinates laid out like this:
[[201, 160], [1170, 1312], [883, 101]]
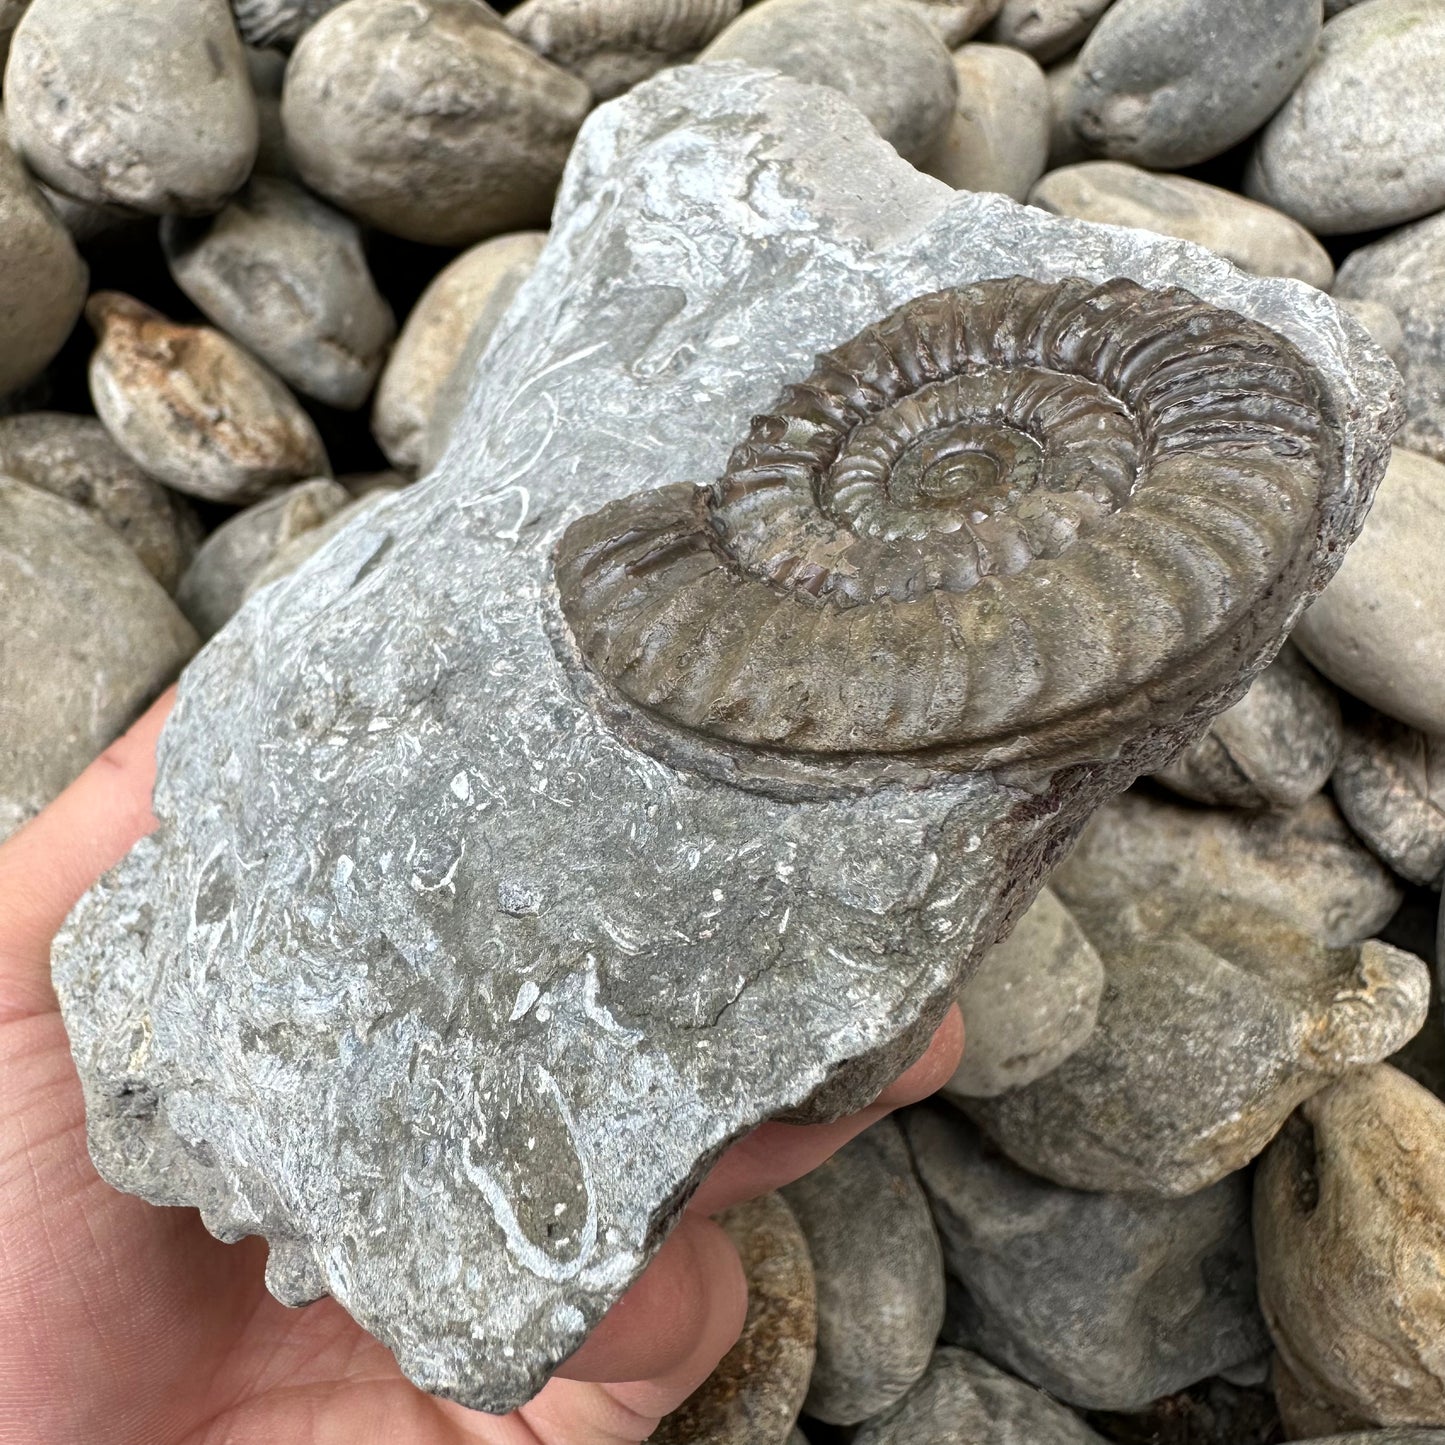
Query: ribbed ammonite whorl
[[1007, 518]]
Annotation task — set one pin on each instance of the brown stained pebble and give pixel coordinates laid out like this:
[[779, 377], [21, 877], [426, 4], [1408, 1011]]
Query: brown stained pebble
[[74, 457], [614, 44], [1349, 1219], [754, 1395], [428, 119], [193, 409], [1275, 748]]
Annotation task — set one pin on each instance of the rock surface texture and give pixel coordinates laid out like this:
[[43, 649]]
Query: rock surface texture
[[535, 969], [1142, 1296]]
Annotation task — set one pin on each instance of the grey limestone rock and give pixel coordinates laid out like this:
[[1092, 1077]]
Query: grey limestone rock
[[144, 106], [1046, 29], [1378, 630], [1405, 272], [287, 277], [614, 44], [753, 1396], [74, 457], [1032, 1002], [238, 551], [90, 637], [1107, 1301], [1162, 1098], [1302, 864], [1255, 237], [552, 956], [998, 139], [964, 1400], [885, 59], [1143, 93], [42, 278], [291, 554], [193, 409], [1275, 748], [438, 332], [1350, 1222], [429, 119], [879, 1274], [1361, 142]]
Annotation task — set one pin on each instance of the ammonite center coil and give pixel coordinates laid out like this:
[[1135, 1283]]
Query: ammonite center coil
[[1006, 520]]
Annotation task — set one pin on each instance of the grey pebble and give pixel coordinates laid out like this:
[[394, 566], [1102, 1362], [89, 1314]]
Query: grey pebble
[[1390, 785], [286, 275], [954, 21], [886, 60], [436, 334], [1350, 1224], [74, 457], [1107, 1301], [1361, 142], [10, 13], [1141, 93], [614, 44], [1033, 1001], [268, 77], [753, 1396], [879, 1273], [230, 559], [42, 278], [1066, 146], [1275, 748], [1046, 29], [1405, 271], [998, 139], [298, 549], [144, 106], [1381, 321], [963, 1400], [1378, 629], [90, 637], [428, 119], [1302, 864], [193, 409], [1254, 237]]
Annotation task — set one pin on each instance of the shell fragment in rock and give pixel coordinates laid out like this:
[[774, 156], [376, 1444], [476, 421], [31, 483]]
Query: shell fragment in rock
[[991, 527]]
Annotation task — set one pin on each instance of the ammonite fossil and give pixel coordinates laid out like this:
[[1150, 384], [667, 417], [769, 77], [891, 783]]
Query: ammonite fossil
[[995, 525]]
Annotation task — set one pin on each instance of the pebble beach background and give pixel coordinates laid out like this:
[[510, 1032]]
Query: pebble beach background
[[1188, 1185]]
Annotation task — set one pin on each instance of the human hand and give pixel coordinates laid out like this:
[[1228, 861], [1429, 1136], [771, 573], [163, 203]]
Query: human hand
[[125, 1324]]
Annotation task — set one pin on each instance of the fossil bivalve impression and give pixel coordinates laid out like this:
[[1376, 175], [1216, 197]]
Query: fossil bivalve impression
[[999, 524]]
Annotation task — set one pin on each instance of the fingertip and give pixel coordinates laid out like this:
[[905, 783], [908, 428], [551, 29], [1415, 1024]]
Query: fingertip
[[933, 1070]]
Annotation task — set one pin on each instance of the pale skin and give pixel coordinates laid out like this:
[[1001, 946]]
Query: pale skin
[[125, 1324]]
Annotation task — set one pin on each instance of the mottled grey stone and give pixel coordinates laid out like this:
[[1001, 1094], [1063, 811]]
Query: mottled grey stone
[[753, 1396], [1255, 237], [1390, 785], [1032, 1002], [1381, 321], [1378, 630], [1350, 1221], [1303, 865], [879, 1272], [235, 554], [428, 119], [1168, 83], [886, 60], [1405, 271], [42, 278], [1361, 142], [532, 971], [998, 139], [1163, 1098], [144, 106], [89, 637], [963, 1399], [436, 334], [287, 277], [1046, 29], [1106, 1301], [1275, 748], [74, 457], [293, 552]]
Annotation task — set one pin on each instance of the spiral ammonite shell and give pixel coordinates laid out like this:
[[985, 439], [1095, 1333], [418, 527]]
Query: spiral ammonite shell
[[1004, 521]]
